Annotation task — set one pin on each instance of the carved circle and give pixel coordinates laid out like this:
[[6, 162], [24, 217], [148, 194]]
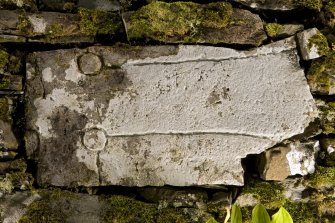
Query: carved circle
[[95, 139], [89, 64]]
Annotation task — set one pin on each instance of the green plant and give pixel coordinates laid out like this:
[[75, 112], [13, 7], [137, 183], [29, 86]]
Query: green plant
[[259, 215]]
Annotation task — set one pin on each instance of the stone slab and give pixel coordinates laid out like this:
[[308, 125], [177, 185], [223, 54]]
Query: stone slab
[[175, 115]]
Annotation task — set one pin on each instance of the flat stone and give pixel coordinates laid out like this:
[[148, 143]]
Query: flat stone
[[268, 4], [176, 115], [312, 44], [57, 27], [294, 159], [12, 39], [208, 23]]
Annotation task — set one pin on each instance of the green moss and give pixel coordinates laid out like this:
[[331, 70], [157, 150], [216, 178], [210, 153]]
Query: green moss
[[323, 177], [24, 26], [327, 116], [272, 29], [21, 180], [3, 108], [69, 6], [18, 165], [309, 4], [178, 20], [95, 22], [320, 75], [125, 209], [6, 185], [302, 212], [41, 211], [4, 81], [321, 43], [172, 215], [4, 59], [270, 194]]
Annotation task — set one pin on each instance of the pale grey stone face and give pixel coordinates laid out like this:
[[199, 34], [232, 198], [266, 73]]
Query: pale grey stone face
[[161, 115]]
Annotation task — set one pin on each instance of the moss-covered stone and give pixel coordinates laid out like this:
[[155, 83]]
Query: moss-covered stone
[[321, 75], [4, 108], [270, 194], [327, 116], [95, 22], [4, 59], [323, 177], [272, 29], [320, 42], [309, 4], [192, 22], [326, 156], [302, 212], [125, 209]]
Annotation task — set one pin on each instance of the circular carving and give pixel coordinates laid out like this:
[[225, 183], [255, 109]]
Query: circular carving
[[94, 139], [89, 64]]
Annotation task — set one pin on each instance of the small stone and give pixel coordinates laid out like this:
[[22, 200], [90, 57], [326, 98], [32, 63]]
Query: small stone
[[288, 30], [296, 158], [312, 44], [89, 64], [7, 137], [246, 200]]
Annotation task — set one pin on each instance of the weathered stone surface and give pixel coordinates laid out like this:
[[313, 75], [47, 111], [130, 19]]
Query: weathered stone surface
[[193, 111], [312, 44], [194, 23], [104, 5], [288, 30], [277, 5], [321, 75], [295, 158], [9, 22]]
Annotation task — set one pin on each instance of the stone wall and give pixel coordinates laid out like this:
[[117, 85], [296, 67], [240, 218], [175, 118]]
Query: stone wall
[[152, 111]]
